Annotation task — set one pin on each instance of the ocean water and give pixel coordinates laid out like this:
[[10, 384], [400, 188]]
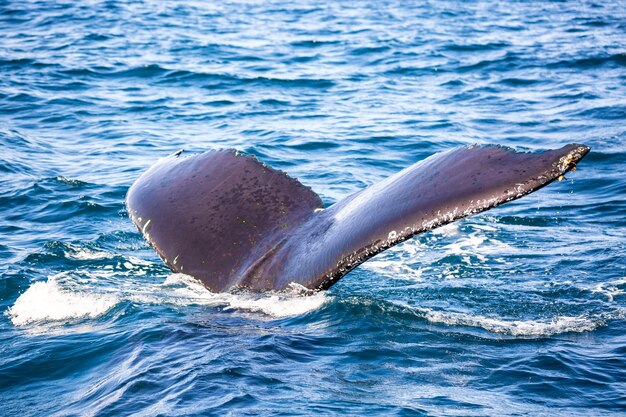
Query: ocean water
[[518, 311]]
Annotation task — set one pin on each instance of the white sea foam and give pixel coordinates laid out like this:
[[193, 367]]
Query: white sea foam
[[46, 301], [399, 262], [395, 269], [450, 229], [182, 289], [279, 305], [479, 245], [530, 328], [86, 254], [68, 297], [611, 289]]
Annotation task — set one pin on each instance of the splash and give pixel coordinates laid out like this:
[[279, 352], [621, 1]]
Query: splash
[[69, 297], [47, 301], [86, 254], [395, 269], [611, 289], [413, 258], [184, 290], [286, 304]]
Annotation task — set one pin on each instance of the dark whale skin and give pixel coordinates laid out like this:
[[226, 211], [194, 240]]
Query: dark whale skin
[[233, 222]]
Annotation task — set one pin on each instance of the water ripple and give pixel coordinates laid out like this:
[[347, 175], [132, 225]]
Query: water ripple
[[516, 312]]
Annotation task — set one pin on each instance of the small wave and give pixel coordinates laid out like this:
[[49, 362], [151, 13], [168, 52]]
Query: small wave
[[86, 254], [611, 289], [66, 251], [368, 50], [47, 301], [476, 47], [23, 63], [505, 62], [166, 75], [528, 328], [618, 59], [394, 269], [274, 102], [519, 82], [406, 71], [313, 145], [220, 79], [313, 43], [609, 112]]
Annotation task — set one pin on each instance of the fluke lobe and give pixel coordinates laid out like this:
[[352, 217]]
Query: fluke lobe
[[231, 221]]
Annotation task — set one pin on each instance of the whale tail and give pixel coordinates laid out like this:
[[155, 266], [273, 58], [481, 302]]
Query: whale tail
[[232, 221]]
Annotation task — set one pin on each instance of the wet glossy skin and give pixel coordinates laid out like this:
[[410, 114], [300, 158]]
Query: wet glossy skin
[[231, 221], [213, 215]]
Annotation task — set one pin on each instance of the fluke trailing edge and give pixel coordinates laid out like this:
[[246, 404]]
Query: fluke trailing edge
[[231, 221]]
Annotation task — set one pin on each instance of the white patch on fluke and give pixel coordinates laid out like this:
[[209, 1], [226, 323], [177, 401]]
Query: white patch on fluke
[[144, 229]]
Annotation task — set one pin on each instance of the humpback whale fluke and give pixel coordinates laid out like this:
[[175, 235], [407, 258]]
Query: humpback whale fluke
[[231, 221]]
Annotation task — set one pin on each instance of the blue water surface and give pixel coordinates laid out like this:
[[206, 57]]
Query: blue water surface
[[519, 311]]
